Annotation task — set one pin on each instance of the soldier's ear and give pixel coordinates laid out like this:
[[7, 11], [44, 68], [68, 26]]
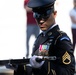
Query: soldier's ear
[[55, 14]]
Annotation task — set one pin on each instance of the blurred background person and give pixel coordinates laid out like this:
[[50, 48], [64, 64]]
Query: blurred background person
[[31, 28], [73, 21]]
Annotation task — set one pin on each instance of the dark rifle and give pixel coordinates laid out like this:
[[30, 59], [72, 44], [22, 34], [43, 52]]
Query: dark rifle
[[13, 62]]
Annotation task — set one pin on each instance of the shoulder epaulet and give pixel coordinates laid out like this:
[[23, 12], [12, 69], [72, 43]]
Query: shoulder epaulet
[[62, 36]]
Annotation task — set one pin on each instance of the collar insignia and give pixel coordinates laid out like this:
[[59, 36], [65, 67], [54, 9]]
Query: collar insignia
[[50, 33]]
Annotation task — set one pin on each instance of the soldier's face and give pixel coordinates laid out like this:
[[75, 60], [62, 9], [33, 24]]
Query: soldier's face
[[44, 24]]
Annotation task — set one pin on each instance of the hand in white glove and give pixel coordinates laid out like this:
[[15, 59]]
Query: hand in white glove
[[34, 63]]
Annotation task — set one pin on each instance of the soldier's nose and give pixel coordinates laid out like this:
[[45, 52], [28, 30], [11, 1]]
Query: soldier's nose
[[42, 21]]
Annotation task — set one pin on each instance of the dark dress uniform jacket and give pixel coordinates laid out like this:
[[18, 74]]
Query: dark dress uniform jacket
[[61, 47]]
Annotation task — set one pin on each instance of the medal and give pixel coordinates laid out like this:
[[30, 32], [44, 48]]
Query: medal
[[44, 47]]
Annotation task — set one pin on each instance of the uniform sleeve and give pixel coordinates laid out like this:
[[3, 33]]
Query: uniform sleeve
[[65, 64], [25, 2]]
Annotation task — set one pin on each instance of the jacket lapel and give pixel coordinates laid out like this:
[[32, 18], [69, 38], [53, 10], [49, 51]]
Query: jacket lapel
[[43, 39]]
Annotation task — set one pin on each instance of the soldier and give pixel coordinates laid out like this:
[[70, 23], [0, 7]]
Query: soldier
[[51, 42]]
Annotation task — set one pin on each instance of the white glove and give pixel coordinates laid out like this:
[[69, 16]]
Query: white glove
[[34, 63]]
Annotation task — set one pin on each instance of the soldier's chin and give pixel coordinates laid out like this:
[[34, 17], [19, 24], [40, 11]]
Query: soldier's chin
[[43, 29]]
